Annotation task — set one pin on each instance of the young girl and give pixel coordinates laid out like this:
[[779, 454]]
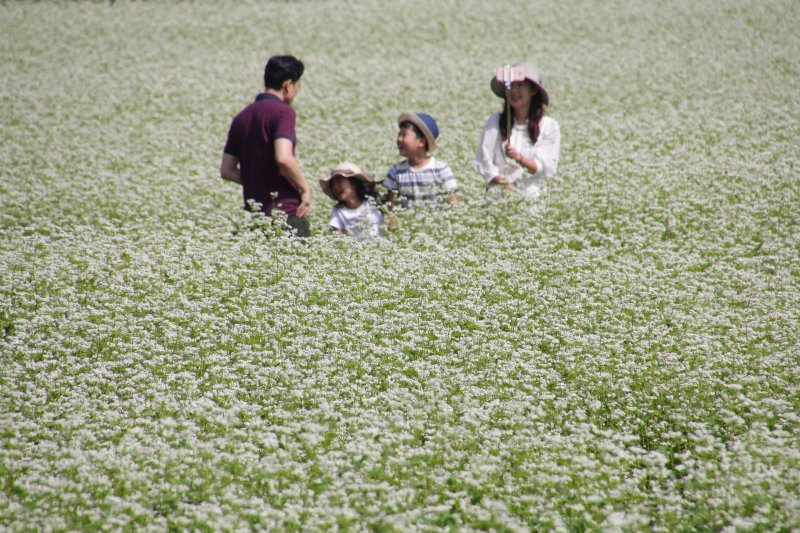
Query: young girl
[[354, 214]]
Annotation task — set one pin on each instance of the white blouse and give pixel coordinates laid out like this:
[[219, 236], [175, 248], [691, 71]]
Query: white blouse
[[491, 160]]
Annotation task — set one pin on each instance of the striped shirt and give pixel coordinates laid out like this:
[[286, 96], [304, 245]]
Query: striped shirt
[[419, 185]]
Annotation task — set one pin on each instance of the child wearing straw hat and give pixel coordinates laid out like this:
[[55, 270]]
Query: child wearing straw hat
[[353, 214], [419, 178], [519, 147]]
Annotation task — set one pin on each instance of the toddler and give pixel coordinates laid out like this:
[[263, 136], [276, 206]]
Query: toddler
[[353, 214]]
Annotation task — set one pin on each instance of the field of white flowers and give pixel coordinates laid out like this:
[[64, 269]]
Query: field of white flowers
[[628, 358]]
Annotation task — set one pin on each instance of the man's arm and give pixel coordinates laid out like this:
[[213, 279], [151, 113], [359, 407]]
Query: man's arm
[[229, 168], [291, 169]]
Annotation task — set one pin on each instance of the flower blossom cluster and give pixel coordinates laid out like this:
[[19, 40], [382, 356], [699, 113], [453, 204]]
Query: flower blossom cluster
[[626, 359]]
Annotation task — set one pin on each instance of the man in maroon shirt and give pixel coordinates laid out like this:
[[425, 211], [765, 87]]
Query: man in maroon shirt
[[259, 152]]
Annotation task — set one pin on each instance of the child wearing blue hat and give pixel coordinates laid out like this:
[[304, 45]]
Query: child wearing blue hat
[[420, 177]]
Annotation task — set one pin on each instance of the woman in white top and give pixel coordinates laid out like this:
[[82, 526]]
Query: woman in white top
[[519, 159], [353, 214]]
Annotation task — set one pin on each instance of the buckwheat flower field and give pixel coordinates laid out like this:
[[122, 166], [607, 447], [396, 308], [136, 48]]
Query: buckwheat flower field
[[625, 358]]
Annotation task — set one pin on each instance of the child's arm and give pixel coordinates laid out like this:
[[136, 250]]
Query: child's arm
[[392, 199], [448, 183], [390, 183]]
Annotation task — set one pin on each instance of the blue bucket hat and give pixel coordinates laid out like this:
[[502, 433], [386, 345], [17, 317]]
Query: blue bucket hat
[[426, 124]]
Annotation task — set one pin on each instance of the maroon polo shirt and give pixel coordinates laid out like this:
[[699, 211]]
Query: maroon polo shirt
[[251, 139]]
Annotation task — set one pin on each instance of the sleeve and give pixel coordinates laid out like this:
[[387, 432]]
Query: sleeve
[[336, 221], [484, 156], [446, 179], [284, 126], [390, 182], [547, 149], [232, 142]]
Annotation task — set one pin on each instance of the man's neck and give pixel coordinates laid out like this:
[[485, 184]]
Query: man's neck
[[275, 92]]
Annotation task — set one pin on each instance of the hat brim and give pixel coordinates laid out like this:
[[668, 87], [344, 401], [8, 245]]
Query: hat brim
[[415, 120], [500, 90], [325, 183]]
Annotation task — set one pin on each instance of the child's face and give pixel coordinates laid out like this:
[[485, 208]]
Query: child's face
[[343, 189], [408, 144]]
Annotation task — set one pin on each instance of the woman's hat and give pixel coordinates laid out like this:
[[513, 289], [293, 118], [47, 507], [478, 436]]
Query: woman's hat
[[519, 72], [426, 124], [347, 170]]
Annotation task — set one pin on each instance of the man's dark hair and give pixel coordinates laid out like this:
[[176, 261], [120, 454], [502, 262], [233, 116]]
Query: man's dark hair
[[282, 68]]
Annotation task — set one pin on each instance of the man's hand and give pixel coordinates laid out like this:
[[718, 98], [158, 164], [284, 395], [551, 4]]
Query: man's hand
[[304, 209], [289, 167]]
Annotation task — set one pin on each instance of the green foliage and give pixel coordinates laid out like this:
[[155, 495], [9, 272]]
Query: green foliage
[[623, 358]]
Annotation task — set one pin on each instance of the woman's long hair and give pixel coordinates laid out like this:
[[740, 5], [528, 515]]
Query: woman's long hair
[[535, 115]]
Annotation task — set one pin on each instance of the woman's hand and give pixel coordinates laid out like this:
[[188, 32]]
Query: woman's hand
[[499, 180], [528, 164], [513, 153]]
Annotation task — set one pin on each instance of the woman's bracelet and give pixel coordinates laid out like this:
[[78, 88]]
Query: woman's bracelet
[[523, 165]]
